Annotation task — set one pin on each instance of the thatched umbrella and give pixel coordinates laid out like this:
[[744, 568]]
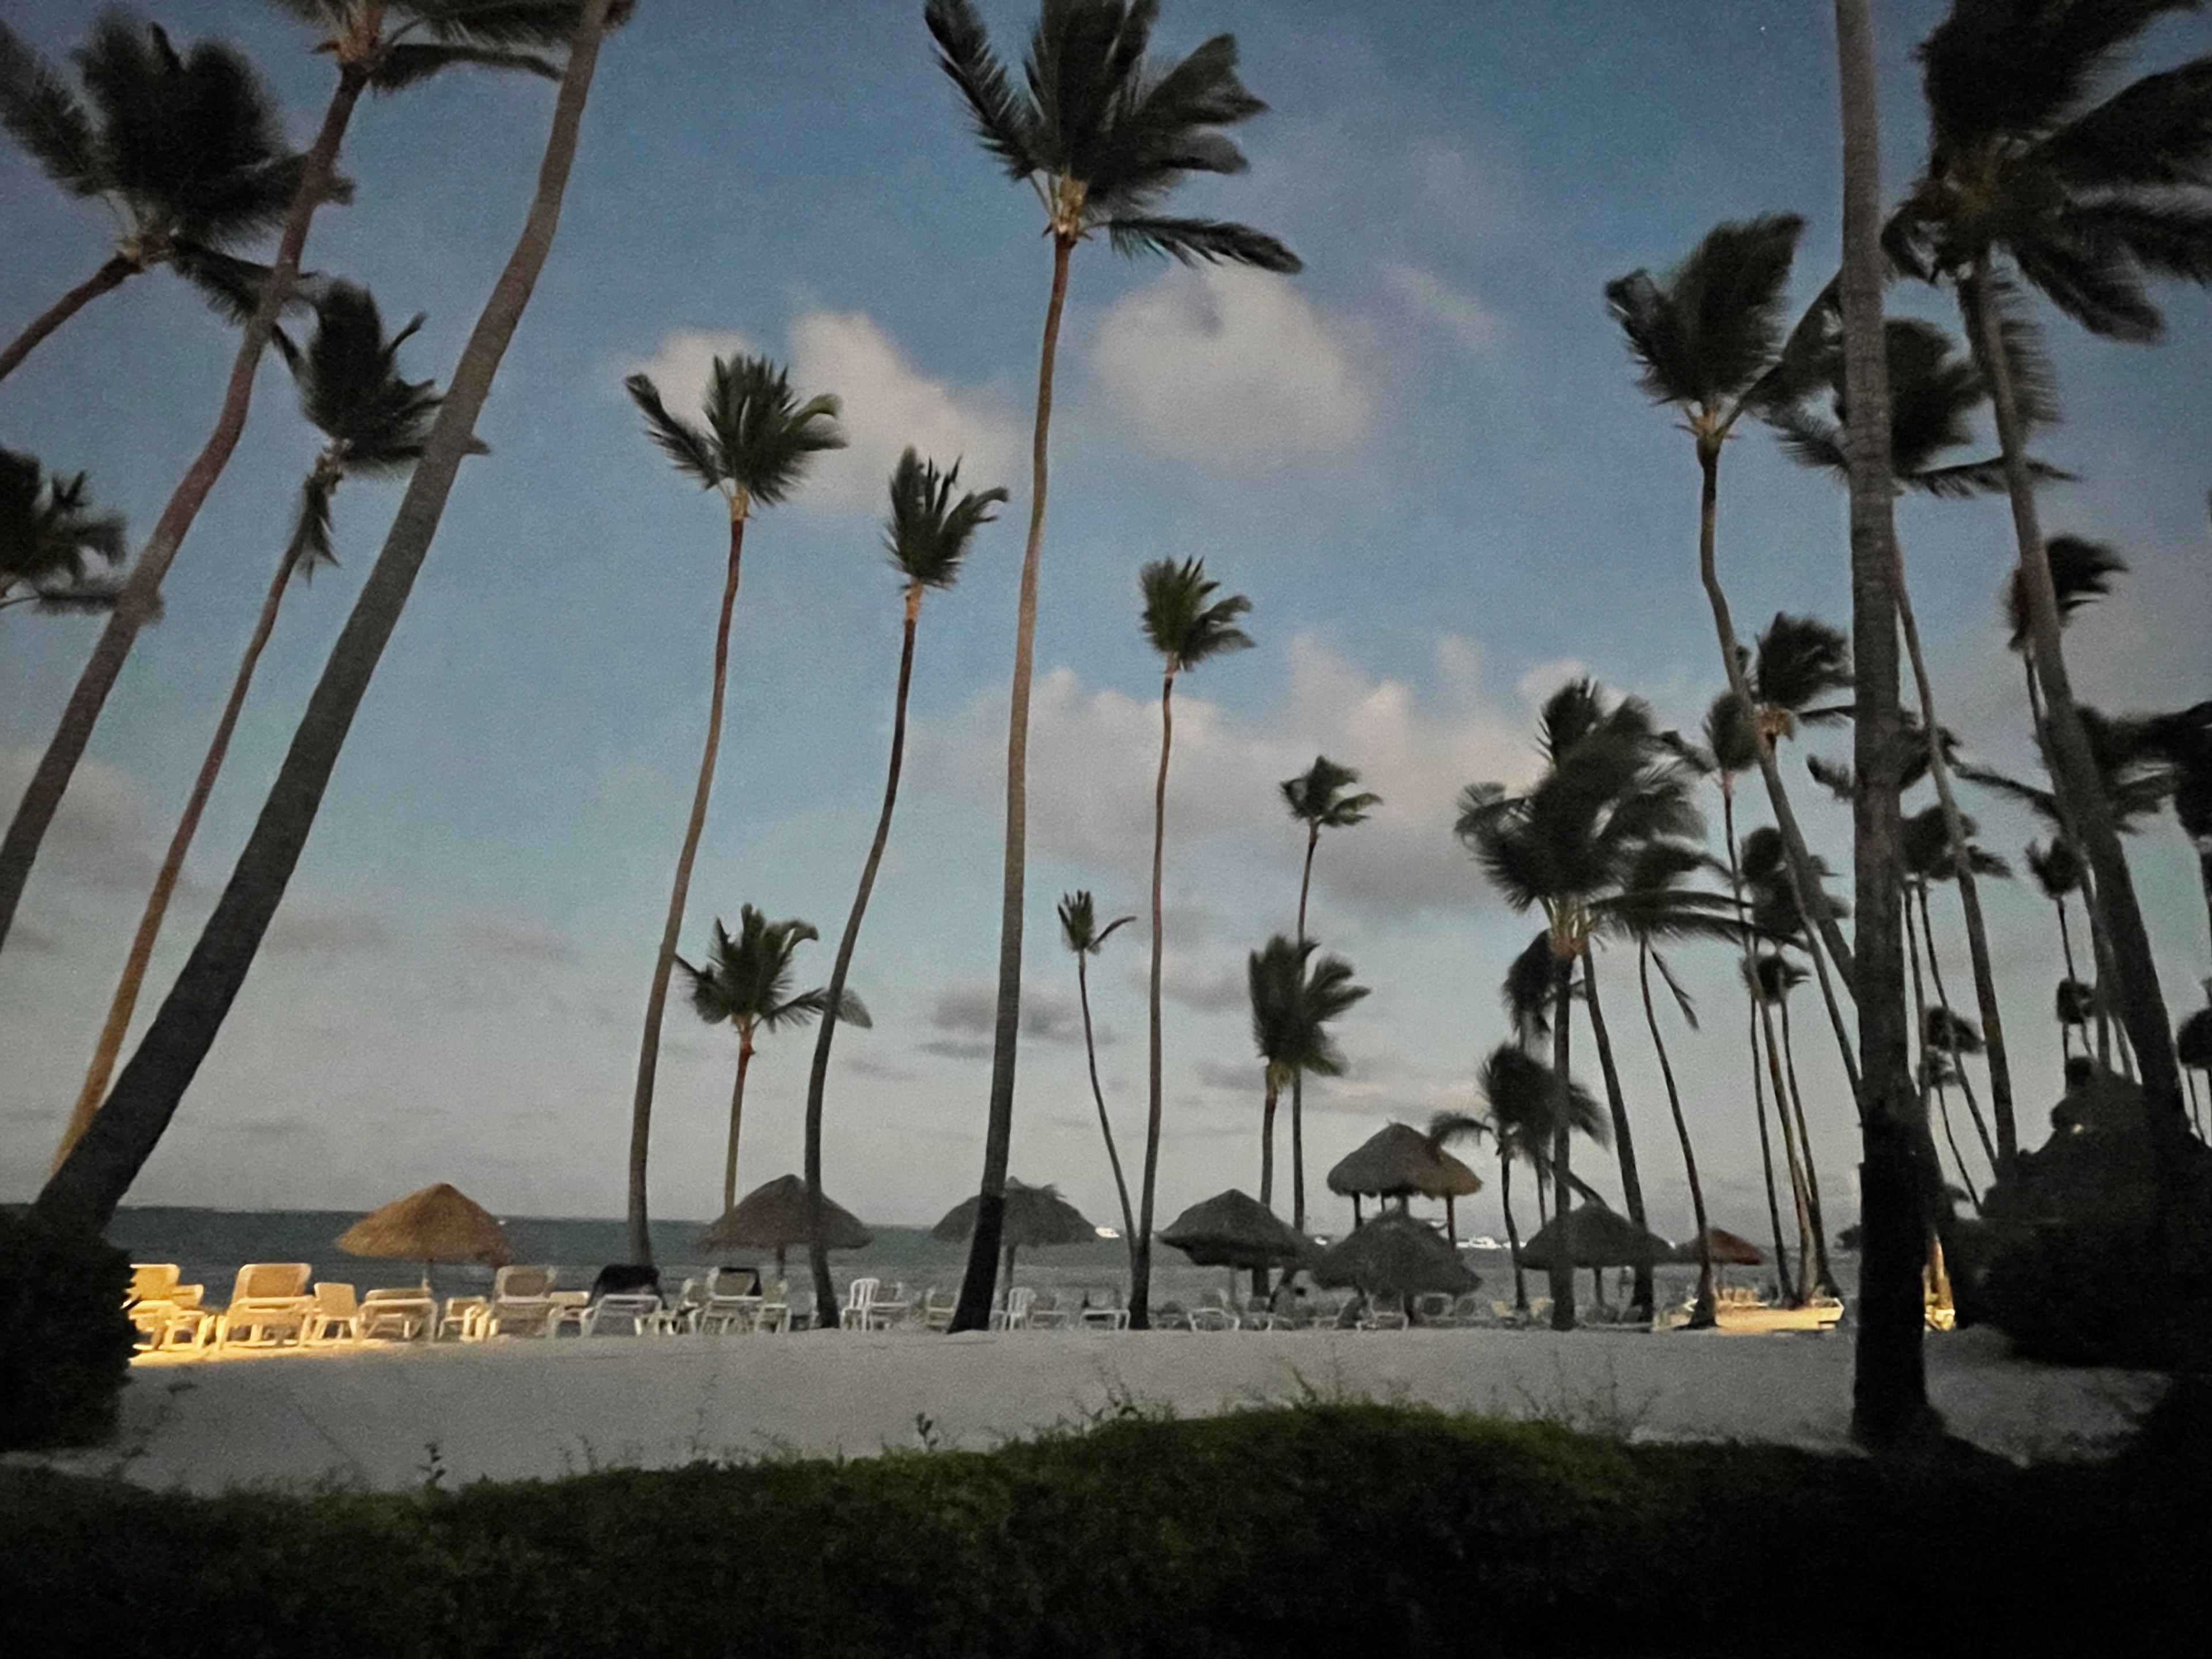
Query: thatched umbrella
[[1234, 1231], [1034, 1215], [1394, 1255], [773, 1218], [1595, 1237], [1398, 1161], [438, 1223], [1729, 1249]]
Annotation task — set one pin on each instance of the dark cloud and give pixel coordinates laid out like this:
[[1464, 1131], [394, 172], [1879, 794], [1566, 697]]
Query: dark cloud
[[1048, 1015], [327, 931], [488, 936], [882, 1070], [954, 1048]]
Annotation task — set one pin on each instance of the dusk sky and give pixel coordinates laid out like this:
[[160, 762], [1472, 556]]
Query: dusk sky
[[1425, 460]]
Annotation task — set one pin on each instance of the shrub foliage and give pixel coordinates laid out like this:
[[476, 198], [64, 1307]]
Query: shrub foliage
[[65, 1343]]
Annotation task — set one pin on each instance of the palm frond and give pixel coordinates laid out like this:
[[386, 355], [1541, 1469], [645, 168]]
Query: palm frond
[[1003, 122], [2081, 571], [929, 532], [1704, 334], [1195, 241], [506, 23], [1182, 620], [407, 63], [764, 439], [311, 530], [44, 117], [690, 449], [2155, 132], [1797, 660]]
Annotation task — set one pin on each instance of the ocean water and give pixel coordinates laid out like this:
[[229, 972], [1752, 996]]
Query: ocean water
[[210, 1245]]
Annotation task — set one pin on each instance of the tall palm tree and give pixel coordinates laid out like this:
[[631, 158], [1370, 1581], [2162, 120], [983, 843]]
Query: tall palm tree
[[927, 538], [745, 983], [1930, 858], [1318, 799], [1102, 135], [1294, 1000], [758, 441], [1080, 931], [368, 40], [1933, 393], [51, 539], [184, 149], [2033, 178], [1654, 905], [1520, 1097], [374, 421], [1562, 847], [82, 1195], [1188, 626], [1707, 340], [2184, 738]]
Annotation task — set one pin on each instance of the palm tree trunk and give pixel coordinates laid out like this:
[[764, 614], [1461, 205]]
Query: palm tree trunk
[[34, 813], [1299, 1079], [1140, 1295], [1512, 1230], [817, 1076], [1990, 1147], [84, 1192], [656, 998], [1824, 1277], [1267, 1144], [1704, 1314], [1995, 1054], [973, 1311], [1766, 1157], [1099, 1096], [1801, 1288], [737, 1122], [1562, 1271], [2066, 952], [2099, 951], [110, 274], [1798, 859], [1632, 1185], [2076, 778], [126, 1002]]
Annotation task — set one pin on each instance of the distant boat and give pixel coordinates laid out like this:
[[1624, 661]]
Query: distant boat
[[1480, 1242], [1106, 1232]]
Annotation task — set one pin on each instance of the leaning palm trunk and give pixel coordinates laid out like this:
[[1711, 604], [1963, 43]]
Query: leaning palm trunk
[[639, 1227], [833, 998], [1140, 1293], [1512, 1230], [1758, 1082], [126, 1001], [737, 1122], [1800, 1289], [84, 1192], [1632, 1185], [1267, 1142], [1970, 893], [2075, 775], [1299, 1079], [2100, 952], [111, 274], [1824, 1277], [1105, 1124], [973, 1311], [1562, 1270], [1951, 1033], [35, 813], [1704, 1313]]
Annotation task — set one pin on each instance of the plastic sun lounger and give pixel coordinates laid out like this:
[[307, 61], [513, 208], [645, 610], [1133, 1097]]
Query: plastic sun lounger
[[268, 1302], [640, 1309], [521, 1300], [163, 1310], [1015, 1315], [337, 1317], [402, 1311]]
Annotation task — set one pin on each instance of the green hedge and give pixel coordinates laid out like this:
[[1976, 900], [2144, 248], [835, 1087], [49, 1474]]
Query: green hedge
[[65, 1344], [1353, 1530]]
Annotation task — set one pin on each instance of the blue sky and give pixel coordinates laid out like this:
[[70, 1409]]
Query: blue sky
[[1425, 460]]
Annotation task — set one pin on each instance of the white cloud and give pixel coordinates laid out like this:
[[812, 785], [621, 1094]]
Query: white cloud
[[98, 837], [685, 362], [889, 405], [1093, 752], [1429, 298], [1227, 362]]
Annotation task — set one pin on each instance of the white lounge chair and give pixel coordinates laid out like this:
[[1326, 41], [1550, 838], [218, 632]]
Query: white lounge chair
[[337, 1317], [1106, 1315], [774, 1313], [886, 1313], [938, 1307], [860, 1297], [730, 1300], [165, 1311], [521, 1301], [269, 1302], [464, 1317], [640, 1309], [1014, 1315], [403, 1311]]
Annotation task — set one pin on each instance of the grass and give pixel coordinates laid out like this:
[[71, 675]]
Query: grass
[[1322, 1525]]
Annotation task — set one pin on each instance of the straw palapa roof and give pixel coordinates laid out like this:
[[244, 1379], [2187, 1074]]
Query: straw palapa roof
[[773, 1217], [438, 1223], [1394, 1255], [1034, 1216], [1233, 1229], [1729, 1249], [1399, 1161], [1595, 1238]]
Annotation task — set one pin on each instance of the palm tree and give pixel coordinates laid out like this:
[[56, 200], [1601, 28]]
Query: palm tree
[[82, 1195], [1101, 137], [758, 441], [1653, 904], [375, 421], [2184, 738], [2192, 1042], [2031, 180], [1931, 858], [50, 537], [1080, 931], [745, 983], [1294, 999], [1187, 625], [185, 151], [1521, 1096], [927, 539], [1317, 799], [1563, 848], [1707, 339], [368, 40]]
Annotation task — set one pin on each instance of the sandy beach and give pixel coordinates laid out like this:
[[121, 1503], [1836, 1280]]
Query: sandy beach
[[524, 1410]]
